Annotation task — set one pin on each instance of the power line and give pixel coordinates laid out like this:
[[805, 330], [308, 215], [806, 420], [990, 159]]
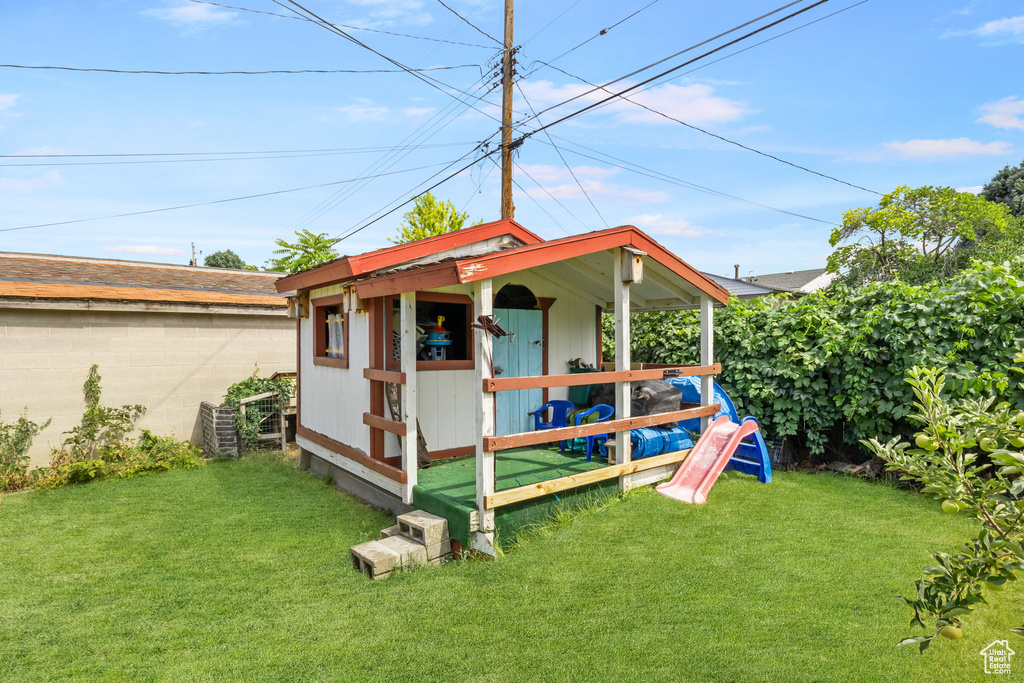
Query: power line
[[240, 73], [354, 28], [689, 49], [658, 175], [567, 166], [218, 201], [556, 200], [471, 24], [729, 140], [197, 154], [604, 31], [548, 25], [216, 159]]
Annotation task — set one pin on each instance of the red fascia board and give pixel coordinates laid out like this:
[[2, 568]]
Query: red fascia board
[[412, 280], [532, 256], [349, 267]]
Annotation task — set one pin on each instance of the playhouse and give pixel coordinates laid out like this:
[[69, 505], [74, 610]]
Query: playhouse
[[422, 367]]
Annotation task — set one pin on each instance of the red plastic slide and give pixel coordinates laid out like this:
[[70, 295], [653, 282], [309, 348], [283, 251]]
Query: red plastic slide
[[700, 470]]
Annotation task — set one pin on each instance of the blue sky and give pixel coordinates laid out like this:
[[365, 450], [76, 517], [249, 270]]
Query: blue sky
[[883, 94]]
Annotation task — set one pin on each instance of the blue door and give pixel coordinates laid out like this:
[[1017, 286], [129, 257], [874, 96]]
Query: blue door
[[519, 357]]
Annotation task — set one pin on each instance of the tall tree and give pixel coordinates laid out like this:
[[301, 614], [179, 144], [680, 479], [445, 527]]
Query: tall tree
[[307, 251], [921, 234], [1007, 187], [224, 259], [428, 218]]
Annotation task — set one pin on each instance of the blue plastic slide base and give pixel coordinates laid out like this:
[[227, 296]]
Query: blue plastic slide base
[[752, 458]]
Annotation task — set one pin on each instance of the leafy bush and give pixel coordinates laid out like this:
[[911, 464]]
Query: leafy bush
[[249, 423], [101, 427], [15, 440], [837, 359], [948, 464]]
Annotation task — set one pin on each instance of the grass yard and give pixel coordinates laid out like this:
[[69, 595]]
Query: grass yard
[[239, 571]]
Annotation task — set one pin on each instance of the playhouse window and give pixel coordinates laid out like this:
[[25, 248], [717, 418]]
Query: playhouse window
[[330, 332], [457, 311]]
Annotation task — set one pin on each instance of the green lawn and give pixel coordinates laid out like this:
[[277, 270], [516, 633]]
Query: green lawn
[[239, 571]]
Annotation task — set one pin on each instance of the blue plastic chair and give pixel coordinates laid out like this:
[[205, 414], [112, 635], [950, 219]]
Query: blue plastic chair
[[559, 415], [604, 412]]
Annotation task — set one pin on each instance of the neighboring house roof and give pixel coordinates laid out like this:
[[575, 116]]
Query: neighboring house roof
[[493, 249], [741, 289], [27, 279], [799, 281]]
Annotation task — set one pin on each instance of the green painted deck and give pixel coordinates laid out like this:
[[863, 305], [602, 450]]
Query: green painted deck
[[448, 488]]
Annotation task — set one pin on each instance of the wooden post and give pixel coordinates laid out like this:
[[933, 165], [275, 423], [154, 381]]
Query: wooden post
[[623, 395], [483, 304], [707, 354], [508, 208], [410, 440]]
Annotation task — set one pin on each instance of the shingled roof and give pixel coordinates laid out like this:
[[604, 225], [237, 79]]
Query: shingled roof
[[40, 277]]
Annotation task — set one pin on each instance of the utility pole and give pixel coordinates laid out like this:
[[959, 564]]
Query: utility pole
[[508, 209]]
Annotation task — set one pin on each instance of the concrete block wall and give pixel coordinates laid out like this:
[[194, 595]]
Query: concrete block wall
[[168, 362]]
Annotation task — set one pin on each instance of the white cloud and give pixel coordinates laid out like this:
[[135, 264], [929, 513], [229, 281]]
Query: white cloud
[[356, 113], [1007, 113], [1009, 29], [29, 185], [658, 224], [192, 15], [944, 149], [695, 103], [7, 101], [391, 12], [149, 249], [973, 189]]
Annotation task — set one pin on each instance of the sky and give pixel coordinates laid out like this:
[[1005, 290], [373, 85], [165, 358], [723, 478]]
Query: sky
[[881, 94]]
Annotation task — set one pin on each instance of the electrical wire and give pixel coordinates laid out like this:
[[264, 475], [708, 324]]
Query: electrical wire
[[602, 32], [548, 25], [218, 201], [354, 28], [658, 175], [567, 166], [471, 24], [557, 201], [239, 73], [198, 154], [211, 159]]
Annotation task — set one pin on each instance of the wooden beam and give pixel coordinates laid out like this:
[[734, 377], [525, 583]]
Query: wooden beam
[[410, 440], [375, 375], [577, 289], [483, 305], [707, 353], [521, 493], [623, 341], [352, 454], [498, 443], [378, 422], [546, 381]]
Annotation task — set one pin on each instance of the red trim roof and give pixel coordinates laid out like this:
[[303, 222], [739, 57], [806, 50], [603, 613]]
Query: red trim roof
[[350, 267], [533, 255]]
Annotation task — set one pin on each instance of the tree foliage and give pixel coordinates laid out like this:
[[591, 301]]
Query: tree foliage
[[15, 441], [829, 368], [919, 235], [307, 251], [428, 218], [947, 463], [1007, 187], [224, 259]]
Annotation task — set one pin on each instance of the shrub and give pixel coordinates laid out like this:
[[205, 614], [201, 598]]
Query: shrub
[[949, 465], [838, 358], [15, 440]]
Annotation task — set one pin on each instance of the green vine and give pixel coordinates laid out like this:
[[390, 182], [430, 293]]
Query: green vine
[[249, 422], [829, 368]]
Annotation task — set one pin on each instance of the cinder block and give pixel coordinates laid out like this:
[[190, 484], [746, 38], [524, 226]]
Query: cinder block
[[436, 551], [437, 560], [423, 527], [374, 559], [389, 532], [412, 554]]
